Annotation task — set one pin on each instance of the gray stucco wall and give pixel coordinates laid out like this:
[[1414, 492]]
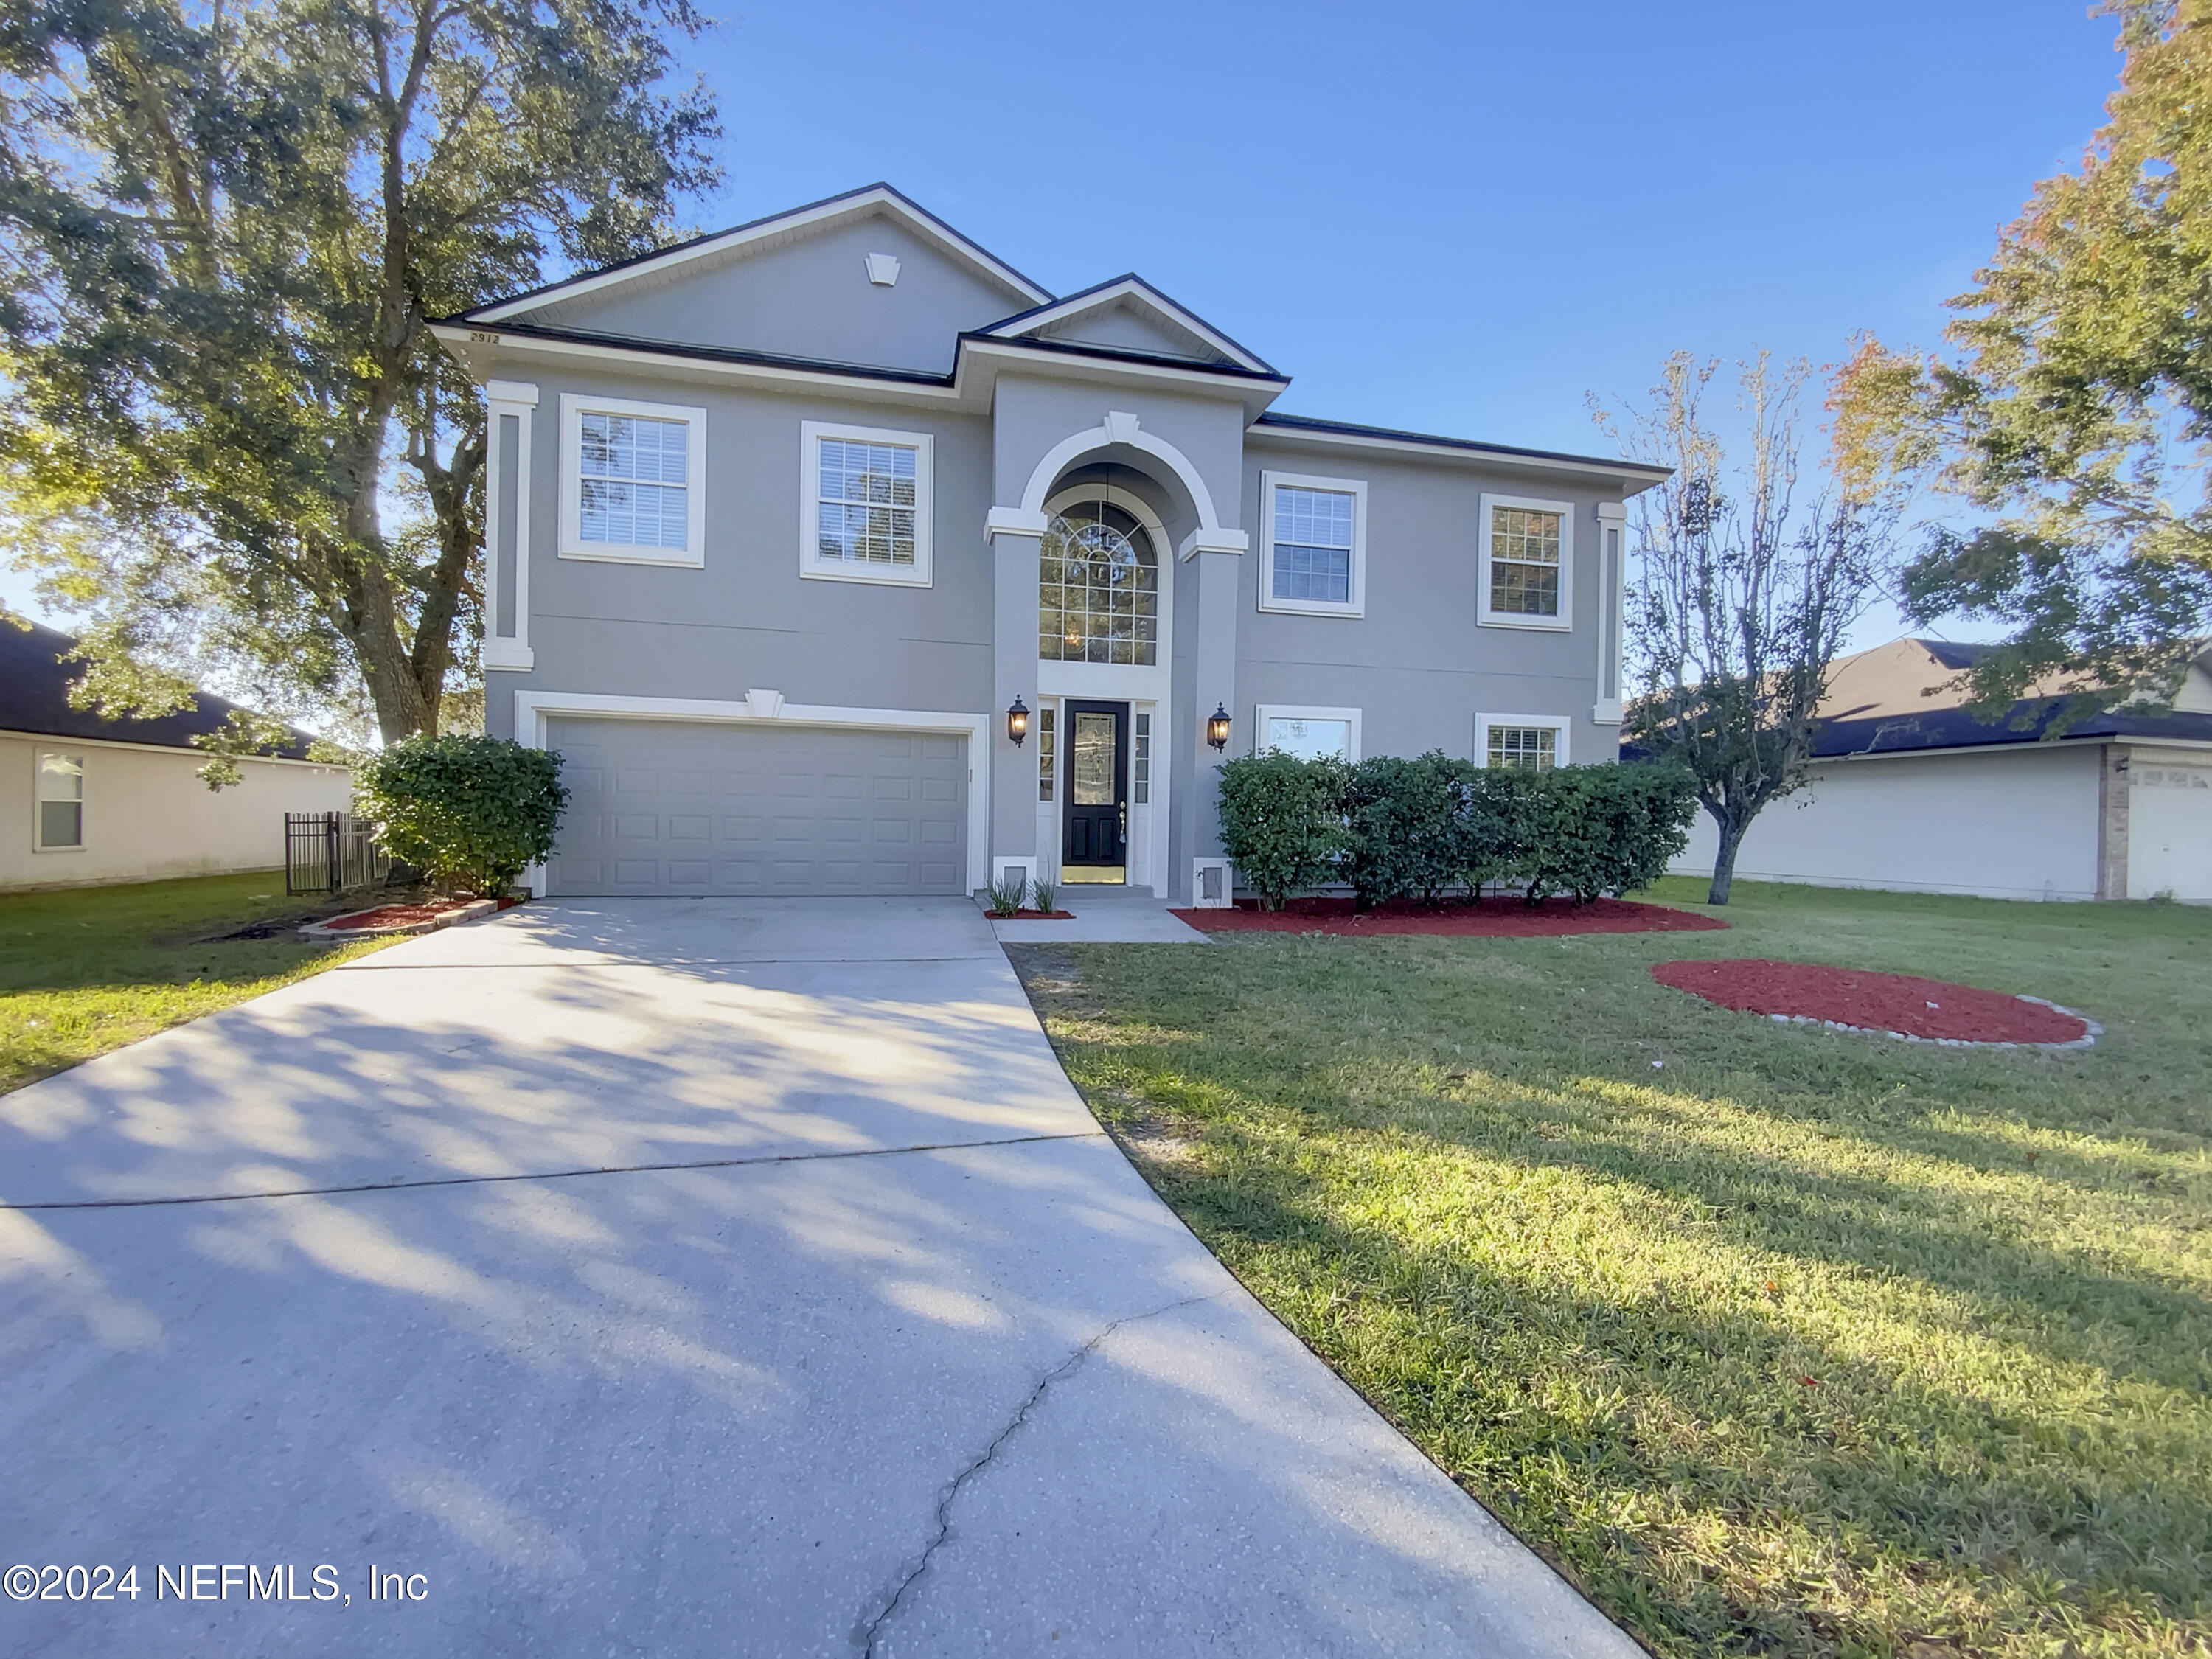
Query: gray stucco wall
[[809, 299], [1418, 665], [747, 618]]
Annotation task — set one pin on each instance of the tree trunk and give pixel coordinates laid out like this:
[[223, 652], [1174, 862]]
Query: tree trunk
[[1732, 830]]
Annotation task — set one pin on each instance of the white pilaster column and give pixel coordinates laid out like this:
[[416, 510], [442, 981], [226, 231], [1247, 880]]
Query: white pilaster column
[[1218, 555], [1612, 609], [1015, 537], [511, 405]]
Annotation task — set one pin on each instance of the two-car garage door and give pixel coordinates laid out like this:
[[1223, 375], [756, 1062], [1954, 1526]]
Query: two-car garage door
[[671, 806]]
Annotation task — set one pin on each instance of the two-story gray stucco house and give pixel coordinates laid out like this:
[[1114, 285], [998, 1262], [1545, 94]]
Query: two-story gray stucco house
[[785, 521]]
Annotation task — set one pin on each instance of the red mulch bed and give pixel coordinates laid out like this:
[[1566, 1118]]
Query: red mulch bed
[[1930, 1008], [1038, 916], [1495, 918], [388, 915]]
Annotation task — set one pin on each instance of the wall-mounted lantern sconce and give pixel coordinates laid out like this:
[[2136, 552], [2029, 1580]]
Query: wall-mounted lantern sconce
[[1217, 729], [1018, 722]]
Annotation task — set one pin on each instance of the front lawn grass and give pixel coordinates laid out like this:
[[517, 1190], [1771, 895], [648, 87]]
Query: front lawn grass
[[1776, 1339], [85, 970]]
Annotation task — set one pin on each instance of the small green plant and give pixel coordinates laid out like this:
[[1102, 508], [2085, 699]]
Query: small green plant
[[1005, 894], [1282, 821], [472, 812], [1043, 894]]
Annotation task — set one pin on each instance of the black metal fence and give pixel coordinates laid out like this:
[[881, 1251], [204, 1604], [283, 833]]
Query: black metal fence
[[331, 852]]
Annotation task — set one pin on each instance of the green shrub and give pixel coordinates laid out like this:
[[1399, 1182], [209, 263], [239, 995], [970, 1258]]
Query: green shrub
[[1415, 828], [1588, 830], [1490, 834], [472, 812], [1405, 822], [1282, 821]]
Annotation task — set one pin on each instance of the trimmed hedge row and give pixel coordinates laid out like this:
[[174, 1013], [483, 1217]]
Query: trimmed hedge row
[[1422, 827]]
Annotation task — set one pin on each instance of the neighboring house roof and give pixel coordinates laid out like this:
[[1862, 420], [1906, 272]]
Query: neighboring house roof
[[760, 234], [34, 698], [1899, 698], [1903, 697]]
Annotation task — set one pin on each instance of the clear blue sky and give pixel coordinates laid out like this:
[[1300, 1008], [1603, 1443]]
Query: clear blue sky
[[1453, 218], [1458, 219]]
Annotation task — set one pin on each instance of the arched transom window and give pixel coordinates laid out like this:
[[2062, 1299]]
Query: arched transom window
[[1098, 588]]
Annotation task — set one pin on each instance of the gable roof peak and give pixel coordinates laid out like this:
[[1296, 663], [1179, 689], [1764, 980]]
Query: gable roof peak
[[774, 230], [1131, 292]]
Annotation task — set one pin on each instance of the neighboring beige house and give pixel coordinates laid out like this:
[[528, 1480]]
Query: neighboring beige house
[[1911, 793], [93, 800]]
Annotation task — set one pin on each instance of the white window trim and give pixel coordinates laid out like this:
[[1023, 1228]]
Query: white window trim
[[1262, 713], [1484, 615], [1561, 725], [693, 554], [39, 758], [1355, 488], [812, 565]]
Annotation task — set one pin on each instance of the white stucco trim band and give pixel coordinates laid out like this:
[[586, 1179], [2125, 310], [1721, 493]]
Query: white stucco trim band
[[1123, 428], [1633, 479], [533, 709], [463, 342]]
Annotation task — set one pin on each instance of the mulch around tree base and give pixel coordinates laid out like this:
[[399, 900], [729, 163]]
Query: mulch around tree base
[[1494, 918], [1890, 1005]]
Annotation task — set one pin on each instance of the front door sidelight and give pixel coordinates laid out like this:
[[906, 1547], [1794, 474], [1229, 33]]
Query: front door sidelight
[[1096, 820]]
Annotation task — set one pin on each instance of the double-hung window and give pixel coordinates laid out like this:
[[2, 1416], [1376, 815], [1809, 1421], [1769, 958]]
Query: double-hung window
[[1534, 743], [865, 506], [1313, 544], [1527, 562], [61, 803], [632, 480]]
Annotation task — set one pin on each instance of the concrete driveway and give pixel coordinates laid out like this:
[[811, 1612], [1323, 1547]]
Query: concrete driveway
[[673, 1278]]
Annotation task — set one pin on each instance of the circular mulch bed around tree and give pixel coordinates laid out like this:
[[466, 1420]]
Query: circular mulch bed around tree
[[1890, 1005], [1505, 918]]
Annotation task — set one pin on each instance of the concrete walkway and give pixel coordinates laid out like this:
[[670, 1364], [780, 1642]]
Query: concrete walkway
[[1104, 915], [676, 1278]]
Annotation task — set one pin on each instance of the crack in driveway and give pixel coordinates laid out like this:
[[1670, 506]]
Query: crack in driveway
[[871, 1632], [551, 1174]]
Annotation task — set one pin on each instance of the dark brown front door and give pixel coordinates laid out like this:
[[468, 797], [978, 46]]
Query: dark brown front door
[[1096, 821]]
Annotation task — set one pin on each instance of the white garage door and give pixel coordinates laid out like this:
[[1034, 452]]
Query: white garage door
[[2170, 831], [668, 806]]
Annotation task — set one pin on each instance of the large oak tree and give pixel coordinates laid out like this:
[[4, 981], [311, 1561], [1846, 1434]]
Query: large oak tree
[[226, 434]]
